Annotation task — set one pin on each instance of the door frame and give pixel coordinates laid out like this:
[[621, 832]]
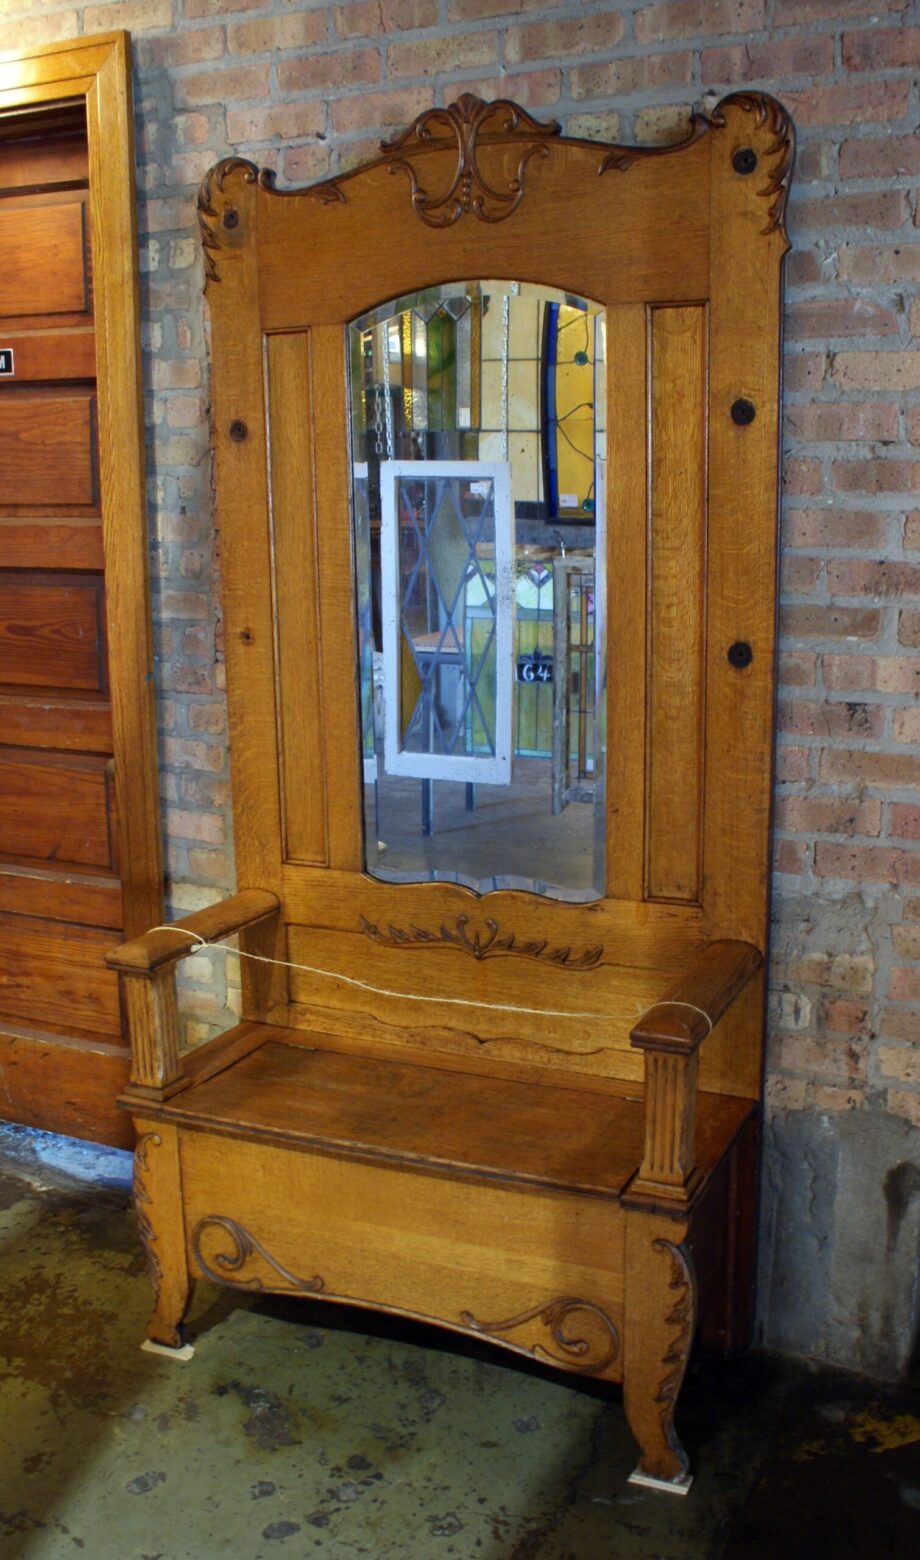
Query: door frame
[[97, 69]]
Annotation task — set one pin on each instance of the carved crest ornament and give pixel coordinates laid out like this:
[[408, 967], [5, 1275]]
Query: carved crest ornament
[[468, 120], [485, 186]]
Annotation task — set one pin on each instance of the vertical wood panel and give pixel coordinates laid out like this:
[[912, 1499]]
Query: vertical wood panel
[[745, 301], [677, 584], [626, 625], [337, 596], [242, 507], [296, 594]]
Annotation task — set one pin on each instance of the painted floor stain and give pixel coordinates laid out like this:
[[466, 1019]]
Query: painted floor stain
[[883, 1434]]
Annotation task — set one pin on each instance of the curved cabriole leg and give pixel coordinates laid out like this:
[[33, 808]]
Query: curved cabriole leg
[[158, 1210], [660, 1323]]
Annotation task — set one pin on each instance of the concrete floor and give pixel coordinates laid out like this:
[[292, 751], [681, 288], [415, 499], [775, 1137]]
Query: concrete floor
[[302, 1429]]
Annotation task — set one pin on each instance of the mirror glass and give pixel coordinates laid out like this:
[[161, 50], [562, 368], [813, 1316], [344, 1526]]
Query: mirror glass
[[478, 431]]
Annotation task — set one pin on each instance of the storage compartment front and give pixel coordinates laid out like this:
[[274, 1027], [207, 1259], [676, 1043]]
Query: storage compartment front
[[534, 1271]]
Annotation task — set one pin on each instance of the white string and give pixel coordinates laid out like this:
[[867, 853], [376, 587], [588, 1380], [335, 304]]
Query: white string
[[674, 1002], [383, 991]]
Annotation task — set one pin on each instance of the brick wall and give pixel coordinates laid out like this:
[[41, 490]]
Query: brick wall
[[310, 89]]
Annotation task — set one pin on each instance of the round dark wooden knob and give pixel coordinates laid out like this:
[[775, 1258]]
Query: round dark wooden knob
[[743, 412], [238, 431], [740, 654], [744, 160]]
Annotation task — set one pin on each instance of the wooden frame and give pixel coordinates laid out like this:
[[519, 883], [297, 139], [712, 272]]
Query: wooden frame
[[97, 70], [570, 1156], [494, 769]]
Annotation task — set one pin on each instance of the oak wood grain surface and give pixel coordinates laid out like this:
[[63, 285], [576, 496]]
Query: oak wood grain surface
[[429, 1246], [56, 809], [43, 259], [47, 449], [445, 1116], [540, 1132], [52, 632]]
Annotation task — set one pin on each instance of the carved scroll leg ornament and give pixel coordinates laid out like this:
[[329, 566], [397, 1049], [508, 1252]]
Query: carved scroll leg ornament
[[158, 1210], [661, 1311]]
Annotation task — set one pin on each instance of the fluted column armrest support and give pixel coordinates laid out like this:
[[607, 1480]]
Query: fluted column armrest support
[[150, 993], [165, 945], [670, 1034], [684, 1018]]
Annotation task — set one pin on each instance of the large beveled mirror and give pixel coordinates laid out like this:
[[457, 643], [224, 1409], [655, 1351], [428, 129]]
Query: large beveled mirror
[[478, 431]]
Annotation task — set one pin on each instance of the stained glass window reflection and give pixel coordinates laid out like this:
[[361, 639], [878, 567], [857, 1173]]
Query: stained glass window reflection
[[445, 560]]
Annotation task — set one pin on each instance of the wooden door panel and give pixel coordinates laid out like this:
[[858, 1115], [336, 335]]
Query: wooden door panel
[[43, 260], [55, 354], [53, 978], [47, 452], [40, 164], [55, 810], [72, 1088], [66, 725], [51, 633], [51, 543], [82, 898]]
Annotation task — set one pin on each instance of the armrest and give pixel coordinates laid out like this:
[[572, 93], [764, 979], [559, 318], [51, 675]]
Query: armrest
[[164, 945], [670, 1034], [683, 1019], [150, 997]]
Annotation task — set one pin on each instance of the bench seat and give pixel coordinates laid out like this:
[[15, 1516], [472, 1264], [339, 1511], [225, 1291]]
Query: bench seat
[[307, 1091]]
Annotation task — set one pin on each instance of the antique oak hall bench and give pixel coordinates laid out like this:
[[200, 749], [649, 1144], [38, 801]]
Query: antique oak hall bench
[[496, 450]]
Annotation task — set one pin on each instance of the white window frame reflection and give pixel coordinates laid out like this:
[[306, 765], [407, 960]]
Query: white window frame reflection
[[472, 768]]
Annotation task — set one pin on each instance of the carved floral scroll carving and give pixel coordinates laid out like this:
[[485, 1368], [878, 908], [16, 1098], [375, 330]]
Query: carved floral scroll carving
[[767, 111], [228, 1266], [574, 1353], [621, 158], [470, 123], [483, 943], [682, 1316], [207, 215], [142, 1204], [327, 193]]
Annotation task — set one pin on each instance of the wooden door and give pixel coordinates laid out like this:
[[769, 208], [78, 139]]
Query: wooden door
[[62, 1039]]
